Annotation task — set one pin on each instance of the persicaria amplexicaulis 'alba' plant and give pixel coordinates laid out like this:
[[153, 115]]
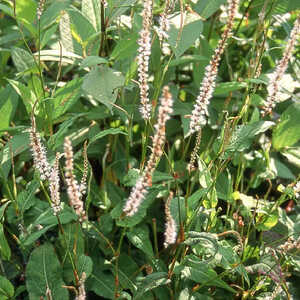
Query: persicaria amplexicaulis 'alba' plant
[[273, 87], [54, 186], [139, 191], [170, 230], [200, 112], [143, 59], [162, 30], [40, 9], [42, 165], [73, 189], [40, 161]]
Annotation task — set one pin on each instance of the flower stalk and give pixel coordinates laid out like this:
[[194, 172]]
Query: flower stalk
[[273, 88], [72, 186], [139, 192], [170, 231], [199, 113], [143, 60]]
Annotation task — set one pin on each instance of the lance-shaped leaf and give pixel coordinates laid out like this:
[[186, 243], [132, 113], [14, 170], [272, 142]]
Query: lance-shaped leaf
[[44, 274]]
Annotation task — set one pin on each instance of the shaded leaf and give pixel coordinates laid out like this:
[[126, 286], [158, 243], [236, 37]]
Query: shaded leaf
[[244, 134], [201, 273], [31, 238], [6, 288], [17, 145], [22, 59], [139, 237], [207, 7], [226, 87], [106, 132], [8, 105], [4, 247], [84, 264], [181, 40], [44, 272], [102, 84], [91, 61], [287, 132], [102, 284], [151, 282], [66, 97]]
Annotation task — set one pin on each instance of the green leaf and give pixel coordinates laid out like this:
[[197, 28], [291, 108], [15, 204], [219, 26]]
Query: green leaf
[[182, 40], [139, 237], [51, 13], [206, 182], [6, 9], [266, 221], [151, 282], [102, 284], [194, 199], [186, 59], [47, 217], [200, 272], [17, 145], [206, 8], [195, 238], [126, 47], [103, 133], [6, 288], [4, 247], [226, 87], [84, 264], [57, 139], [119, 7], [131, 177], [242, 137], [31, 238], [126, 272], [102, 84], [282, 170], [8, 105], [80, 25], [25, 93], [92, 61], [230, 260], [26, 197], [23, 60], [44, 272], [287, 132], [73, 239], [3, 209], [26, 14], [66, 97], [91, 10]]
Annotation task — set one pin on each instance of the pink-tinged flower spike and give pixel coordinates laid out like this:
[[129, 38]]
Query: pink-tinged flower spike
[[72, 185], [200, 112], [82, 186], [170, 231], [273, 87], [40, 9], [162, 30], [143, 59], [38, 152], [139, 192], [296, 189], [54, 187]]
